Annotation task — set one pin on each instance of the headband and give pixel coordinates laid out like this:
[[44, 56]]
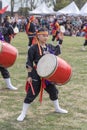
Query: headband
[[42, 33]]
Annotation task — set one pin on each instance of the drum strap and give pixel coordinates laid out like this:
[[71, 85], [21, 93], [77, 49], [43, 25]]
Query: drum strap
[[40, 51], [43, 85]]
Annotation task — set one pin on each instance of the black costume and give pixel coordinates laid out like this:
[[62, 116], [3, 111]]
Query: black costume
[[34, 81], [31, 31], [4, 72], [9, 33], [6, 31], [34, 56]]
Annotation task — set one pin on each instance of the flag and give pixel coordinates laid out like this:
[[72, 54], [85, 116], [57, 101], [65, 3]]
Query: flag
[[3, 9]]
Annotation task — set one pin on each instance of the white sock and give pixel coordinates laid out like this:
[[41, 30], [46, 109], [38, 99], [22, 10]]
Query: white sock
[[9, 85], [23, 113], [58, 108]]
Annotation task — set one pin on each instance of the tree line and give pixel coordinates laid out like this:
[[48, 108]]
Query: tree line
[[29, 5]]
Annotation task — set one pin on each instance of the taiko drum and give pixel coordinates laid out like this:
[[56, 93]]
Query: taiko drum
[[54, 69], [8, 54]]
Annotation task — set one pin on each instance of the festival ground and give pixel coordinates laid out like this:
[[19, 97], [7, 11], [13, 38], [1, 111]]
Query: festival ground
[[73, 95]]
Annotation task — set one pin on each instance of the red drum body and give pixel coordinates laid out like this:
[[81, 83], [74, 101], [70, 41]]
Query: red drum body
[[54, 69], [8, 54]]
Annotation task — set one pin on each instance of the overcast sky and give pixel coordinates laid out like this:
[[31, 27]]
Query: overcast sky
[[7, 2]]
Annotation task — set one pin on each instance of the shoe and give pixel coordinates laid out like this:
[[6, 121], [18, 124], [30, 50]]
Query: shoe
[[21, 117], [63, 111], [23, 113], [9, 84], [12, 87]]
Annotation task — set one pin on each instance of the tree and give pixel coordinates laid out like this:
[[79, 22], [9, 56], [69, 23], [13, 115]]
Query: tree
[[80, 3], [61, 4], [12, 7]]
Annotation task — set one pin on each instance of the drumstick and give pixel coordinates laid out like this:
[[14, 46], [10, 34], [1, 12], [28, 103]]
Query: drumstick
[[32, 88]]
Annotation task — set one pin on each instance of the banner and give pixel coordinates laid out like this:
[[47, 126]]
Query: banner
[[3, 9]]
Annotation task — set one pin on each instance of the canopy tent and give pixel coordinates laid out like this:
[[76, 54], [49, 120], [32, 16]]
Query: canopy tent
[[42, 9], [83, 10], [70, 9]]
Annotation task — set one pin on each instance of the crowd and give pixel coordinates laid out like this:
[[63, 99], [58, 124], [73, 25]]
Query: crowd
[[73, 24]]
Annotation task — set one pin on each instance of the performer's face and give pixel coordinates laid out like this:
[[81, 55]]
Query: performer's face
[[43, 38]]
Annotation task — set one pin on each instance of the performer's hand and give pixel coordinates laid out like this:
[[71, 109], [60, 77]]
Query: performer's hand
[[29, 79]]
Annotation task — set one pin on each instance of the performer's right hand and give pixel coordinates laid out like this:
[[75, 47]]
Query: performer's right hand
[[29, 79]]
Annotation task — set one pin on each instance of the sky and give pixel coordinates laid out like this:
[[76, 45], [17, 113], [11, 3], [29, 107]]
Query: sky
[[7, 2]]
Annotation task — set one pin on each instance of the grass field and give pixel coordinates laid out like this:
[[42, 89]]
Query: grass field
[[72, 96]]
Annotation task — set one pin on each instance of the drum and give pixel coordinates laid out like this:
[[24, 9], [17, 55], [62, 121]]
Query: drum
[[54, 69], [62, 29], [16, 30], [8, 54]]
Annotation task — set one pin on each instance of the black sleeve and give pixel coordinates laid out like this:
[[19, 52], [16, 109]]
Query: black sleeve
[[30, 57]]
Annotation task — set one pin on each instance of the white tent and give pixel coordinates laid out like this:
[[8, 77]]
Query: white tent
[[83, 10], [42, 9], [70, 9]]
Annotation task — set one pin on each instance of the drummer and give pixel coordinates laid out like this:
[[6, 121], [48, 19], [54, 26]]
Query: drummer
[[9, 31], [33, 85], [5, 73], [56, 32]]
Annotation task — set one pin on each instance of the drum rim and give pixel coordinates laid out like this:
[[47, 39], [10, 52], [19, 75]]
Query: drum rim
[[47, 75], [0, 46]]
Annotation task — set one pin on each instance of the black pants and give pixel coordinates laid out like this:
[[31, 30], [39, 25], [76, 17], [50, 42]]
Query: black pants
[[50, 89], [85, 43], [55, 36], [30, 41], [4, 72]]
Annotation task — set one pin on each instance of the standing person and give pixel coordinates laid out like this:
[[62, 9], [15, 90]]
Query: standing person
[[56, 33], [85, 31], [35, 52], [9, 31], [4, 72], [30, 30]]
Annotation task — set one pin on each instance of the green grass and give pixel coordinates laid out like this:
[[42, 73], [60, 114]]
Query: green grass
[[72, 96]]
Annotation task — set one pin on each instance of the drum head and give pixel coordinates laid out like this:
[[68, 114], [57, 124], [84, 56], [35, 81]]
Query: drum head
[[16, 30], [62, 28], [46, 65]]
